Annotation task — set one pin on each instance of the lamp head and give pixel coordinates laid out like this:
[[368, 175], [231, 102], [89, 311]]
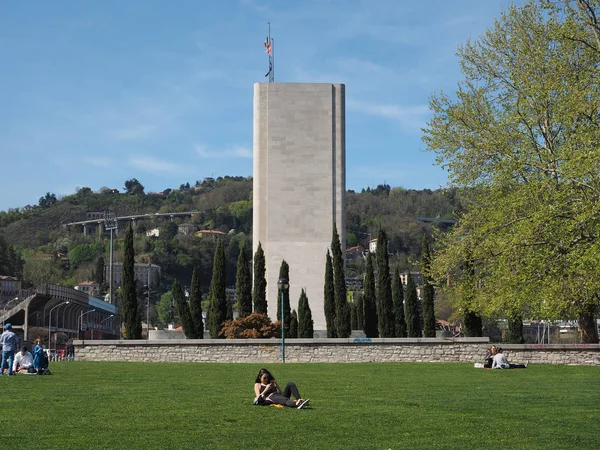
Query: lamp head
[[283, 283]]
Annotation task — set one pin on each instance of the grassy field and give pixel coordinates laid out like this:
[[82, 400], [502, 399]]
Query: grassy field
[[376, 406]]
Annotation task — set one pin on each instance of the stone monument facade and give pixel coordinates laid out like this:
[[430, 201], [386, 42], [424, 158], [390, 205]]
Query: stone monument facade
[[299, 184]]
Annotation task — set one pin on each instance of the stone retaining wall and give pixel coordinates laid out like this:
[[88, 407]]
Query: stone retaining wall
[[268, 351]]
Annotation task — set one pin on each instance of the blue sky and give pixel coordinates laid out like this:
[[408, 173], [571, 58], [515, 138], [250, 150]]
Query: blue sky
[[97, 92]]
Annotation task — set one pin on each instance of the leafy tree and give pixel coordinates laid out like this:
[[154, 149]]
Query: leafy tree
[[217, 306], [48, 200], [398, 302], [521, 134], [411, 309], [284, 272], [195, 306], [329, 294], [243, 284], [384, 287], [255, 326], [129, 300], [428, 291], [164, 308], [183, 311], [342, 310], [293, 325], [38, 269], [305, 321], [259, 292], [134, 187], [370, 324]]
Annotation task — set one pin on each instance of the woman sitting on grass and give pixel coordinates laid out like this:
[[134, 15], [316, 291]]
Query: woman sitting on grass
[[500, 362], [268, 393]]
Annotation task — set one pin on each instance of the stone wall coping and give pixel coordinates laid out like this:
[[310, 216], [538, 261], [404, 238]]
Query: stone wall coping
[[277, 342]]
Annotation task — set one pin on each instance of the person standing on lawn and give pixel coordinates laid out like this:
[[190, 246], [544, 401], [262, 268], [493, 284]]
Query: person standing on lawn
[[267, 392], [9, 341]]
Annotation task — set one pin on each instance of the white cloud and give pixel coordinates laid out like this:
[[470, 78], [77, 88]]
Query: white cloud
[[97, 161], [236, 151], [411, 117], [157, 166], [133, 133]]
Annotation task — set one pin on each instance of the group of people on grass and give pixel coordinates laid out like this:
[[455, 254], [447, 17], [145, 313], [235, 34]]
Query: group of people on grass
[[495, 359], [22, 361]]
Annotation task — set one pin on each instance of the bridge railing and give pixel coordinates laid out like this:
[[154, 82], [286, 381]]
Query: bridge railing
[[62, 293]]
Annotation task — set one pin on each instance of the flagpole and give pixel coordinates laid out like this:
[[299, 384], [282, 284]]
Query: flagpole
[[272, 56]]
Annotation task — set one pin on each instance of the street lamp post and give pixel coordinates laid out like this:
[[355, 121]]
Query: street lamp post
[[110, 223], [80, 320], [104, 320], [50, 321], [283, 284]]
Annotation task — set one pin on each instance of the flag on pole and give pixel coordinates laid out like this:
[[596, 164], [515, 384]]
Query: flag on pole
[[270, 69], [268, 46]]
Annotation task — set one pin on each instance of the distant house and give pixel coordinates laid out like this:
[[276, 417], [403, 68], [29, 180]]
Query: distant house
[[9, 286], [89, 287], [153, 232], [372, 245], [143, 273], [355, 252], [416, 276], [210, 233], [95, 215], [186, 228], [156, 194]]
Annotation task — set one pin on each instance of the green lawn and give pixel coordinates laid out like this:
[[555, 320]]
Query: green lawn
[[380, 406]]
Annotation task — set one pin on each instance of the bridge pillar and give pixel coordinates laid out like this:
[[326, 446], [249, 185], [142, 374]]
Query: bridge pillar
[[85, 230], [100, 229]]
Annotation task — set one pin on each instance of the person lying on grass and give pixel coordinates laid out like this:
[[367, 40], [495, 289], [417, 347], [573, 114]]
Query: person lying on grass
[[267, 392], [500, 362]]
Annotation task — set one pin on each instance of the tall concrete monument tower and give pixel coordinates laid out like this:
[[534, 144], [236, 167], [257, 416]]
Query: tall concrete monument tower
[[299, 184]]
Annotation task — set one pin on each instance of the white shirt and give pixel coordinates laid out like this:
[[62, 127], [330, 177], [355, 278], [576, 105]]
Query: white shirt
[[23, 360], [500, 362]]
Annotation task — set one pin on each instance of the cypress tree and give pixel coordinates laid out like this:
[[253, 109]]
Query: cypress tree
[[342, 310], [229, 314], [259, 292], [359, 311], [217, 306], [293, 333], [131, 316], [411, 309], [99, 272], [243, 284], [284, 272], [473, 324], [515, 330], [428, 291], [353, 317], [196, 306], [329, 294], [369, 302], [305, 321], [183, 311], [384, 287], [398, 301]]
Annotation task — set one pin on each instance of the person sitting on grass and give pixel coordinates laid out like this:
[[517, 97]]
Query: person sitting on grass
[[489, 357], [23, 361], [267, 392], [500, 362]]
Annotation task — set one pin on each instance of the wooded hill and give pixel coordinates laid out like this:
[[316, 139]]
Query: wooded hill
[[223, 204]]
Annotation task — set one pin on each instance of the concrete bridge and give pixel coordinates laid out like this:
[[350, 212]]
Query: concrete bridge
[[100, 222], [61, 309]]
